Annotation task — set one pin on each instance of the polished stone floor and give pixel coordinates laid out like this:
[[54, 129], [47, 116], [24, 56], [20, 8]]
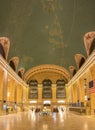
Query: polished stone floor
[[61, 121]]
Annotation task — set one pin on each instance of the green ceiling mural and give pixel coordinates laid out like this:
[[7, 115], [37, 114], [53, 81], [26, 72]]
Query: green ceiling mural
[[46, 31]]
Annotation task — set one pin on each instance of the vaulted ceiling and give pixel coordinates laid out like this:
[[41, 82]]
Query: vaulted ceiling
[[46, 31]]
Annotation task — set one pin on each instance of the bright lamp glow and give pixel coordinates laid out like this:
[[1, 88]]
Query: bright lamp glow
[[33, 101], [85, 97], [8, 94], [61, 101], [47, 102]]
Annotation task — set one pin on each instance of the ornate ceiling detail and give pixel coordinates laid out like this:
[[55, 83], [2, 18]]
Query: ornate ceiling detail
[[47, 71]]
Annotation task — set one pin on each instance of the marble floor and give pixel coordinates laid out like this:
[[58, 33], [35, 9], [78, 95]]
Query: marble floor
[[57, 121]]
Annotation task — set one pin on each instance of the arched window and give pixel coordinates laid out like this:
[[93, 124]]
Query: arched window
[[12, 65], [47, 88], [81, 62], [74, 72], [2, 51], [33, 89], [92, 46], [60, 89], [19, 73]]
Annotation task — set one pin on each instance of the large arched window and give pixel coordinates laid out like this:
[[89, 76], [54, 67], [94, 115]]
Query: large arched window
[[33, 89], [60, 90], [47, 89]]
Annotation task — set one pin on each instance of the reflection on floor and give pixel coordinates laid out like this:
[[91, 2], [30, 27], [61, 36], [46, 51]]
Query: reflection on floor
[[57, 121]]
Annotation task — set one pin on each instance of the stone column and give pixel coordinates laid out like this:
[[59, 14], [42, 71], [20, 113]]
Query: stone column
[[4, 92], [53, 93], [5, 86], [1, 88], [39, 93]]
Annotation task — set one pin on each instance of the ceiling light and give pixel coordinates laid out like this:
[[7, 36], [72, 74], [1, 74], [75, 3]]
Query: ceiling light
[[61, 101], [33, 101]]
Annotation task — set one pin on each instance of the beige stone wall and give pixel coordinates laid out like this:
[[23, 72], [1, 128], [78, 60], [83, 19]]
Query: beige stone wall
[[53, 93], [40, 93], [25, 94], [93, 101], [78, 91], [1, 83], [92, 70], [10, 89], [77, 84], [92, 96], [82, 92], [74, 93], [19, 93]]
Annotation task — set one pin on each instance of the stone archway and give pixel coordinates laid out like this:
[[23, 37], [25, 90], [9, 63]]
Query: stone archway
[[53, 72]]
